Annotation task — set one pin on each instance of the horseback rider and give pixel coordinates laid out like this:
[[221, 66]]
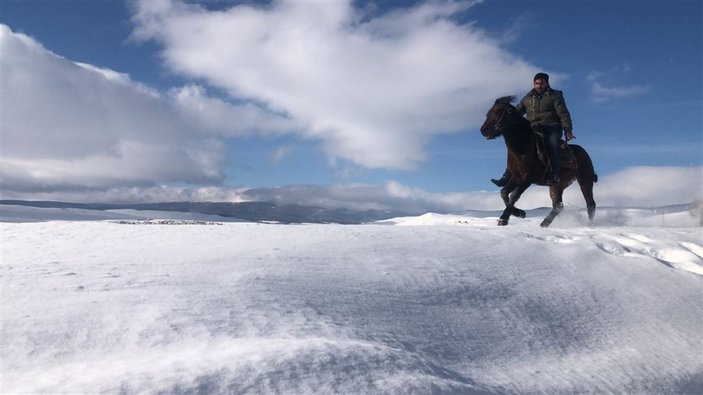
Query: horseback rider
[[546, 110]]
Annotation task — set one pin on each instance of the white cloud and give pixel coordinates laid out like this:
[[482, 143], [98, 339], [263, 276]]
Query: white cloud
[[647, 186], [373, 90], [75, 124], [280, 153], [603, 92], [226, 119], [69, 125]]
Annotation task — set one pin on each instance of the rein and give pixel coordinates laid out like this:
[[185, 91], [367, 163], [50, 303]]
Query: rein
[[498, 125]]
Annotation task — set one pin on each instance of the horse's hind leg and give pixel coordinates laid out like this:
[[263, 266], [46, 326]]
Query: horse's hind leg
[[586, 177], [587, 191], [556, 194]]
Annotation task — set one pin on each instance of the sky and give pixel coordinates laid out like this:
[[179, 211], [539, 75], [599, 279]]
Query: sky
[[152, 100]]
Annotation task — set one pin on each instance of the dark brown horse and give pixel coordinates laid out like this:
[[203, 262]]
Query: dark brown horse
[[525, 166]]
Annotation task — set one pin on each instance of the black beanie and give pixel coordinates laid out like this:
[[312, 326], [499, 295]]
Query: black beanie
[[541, 76]]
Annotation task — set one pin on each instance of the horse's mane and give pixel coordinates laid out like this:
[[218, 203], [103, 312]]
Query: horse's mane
[[506, 100]]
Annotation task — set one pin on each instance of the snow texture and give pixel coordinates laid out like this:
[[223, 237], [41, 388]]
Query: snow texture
[[430, 304]]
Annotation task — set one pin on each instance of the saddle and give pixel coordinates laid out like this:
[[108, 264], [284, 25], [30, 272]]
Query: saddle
[[568, 158]]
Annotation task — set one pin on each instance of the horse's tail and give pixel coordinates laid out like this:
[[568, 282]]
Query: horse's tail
[[585, 164]]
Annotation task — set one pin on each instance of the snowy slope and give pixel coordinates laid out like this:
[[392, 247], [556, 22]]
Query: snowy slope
[[452, 305]]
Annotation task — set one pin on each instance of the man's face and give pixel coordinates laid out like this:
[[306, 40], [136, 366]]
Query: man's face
[[541, 85]]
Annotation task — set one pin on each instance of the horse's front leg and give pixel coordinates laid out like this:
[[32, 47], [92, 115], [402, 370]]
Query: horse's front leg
[[510, 194], [505, 195]]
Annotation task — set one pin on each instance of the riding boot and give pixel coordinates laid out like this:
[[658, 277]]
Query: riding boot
[[503, 181]]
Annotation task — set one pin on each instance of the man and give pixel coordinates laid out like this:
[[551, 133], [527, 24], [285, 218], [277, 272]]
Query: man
[[546, 110]]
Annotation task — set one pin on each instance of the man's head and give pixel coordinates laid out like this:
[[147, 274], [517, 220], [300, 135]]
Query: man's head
[[541, 82]]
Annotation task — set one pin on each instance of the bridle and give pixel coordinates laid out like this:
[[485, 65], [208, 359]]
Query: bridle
[[498, 124]]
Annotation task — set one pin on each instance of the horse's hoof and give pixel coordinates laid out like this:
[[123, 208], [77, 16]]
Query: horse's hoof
[[591, 213], [545, 223], [502, 222], [521, 213]]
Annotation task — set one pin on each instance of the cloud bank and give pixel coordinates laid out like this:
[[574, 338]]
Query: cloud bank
[[632, 187], [70, 124], [74, 126], [372, 89]]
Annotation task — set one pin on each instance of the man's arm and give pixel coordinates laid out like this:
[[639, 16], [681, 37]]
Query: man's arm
[[564, 115]]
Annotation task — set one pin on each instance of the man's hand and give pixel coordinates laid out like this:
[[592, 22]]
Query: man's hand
[[569, 136]]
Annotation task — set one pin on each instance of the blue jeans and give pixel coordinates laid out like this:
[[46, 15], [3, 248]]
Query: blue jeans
[[552, 140]]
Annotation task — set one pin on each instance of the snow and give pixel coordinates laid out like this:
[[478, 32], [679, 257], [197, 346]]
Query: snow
[[428, 304]]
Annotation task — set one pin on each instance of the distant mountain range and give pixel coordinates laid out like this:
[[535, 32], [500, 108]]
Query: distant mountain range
[[247, 211]]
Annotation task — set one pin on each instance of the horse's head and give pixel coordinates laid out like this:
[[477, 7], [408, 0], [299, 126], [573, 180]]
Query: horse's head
[[499, 117]]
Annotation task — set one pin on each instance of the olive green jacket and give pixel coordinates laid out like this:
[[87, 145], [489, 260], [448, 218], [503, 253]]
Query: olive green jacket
[[547, 109]]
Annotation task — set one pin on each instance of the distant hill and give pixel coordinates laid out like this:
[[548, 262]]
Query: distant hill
[[247, 211]]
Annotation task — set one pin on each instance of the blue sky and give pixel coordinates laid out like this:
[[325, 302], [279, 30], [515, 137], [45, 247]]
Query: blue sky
[[333, 93]]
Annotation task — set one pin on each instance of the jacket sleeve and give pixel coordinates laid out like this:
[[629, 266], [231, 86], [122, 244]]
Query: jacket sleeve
[[563, 112]]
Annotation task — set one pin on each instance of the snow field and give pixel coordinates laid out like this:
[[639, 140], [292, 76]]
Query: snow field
[[456, 305]]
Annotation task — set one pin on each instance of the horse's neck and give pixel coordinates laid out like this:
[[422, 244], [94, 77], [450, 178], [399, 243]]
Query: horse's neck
[[519, 138]]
